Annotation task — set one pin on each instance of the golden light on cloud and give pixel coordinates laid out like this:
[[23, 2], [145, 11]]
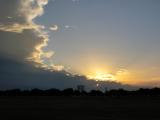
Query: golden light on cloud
[[121, 76], [101, 76], [101, 72]]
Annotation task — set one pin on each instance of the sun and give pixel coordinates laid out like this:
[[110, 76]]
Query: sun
[[101, 76]]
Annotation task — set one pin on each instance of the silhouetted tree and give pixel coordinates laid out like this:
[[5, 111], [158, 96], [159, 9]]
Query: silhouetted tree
[[36, 92], [71, 92], [118, 92], [14, 92], [26, 92], [77, 93], [96, 93], [53, 92], [68, 92]]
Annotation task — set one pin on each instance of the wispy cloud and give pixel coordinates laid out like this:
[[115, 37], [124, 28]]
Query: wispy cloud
[[54, 28], [70, 27], [122, 72], [75, 0]]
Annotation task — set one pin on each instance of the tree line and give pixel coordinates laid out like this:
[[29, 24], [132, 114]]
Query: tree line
[[72, 92]]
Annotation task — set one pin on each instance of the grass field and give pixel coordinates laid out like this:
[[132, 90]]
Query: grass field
[[79, 108]]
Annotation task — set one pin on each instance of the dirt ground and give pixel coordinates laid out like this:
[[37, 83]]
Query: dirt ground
[[79, 108]]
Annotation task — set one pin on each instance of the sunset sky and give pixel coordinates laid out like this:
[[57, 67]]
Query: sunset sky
[[94, 40]]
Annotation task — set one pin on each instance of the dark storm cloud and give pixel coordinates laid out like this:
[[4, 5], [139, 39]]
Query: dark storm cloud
[[22, 75]]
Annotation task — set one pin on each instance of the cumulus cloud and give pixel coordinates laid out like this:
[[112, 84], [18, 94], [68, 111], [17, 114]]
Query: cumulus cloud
[[21, 37]]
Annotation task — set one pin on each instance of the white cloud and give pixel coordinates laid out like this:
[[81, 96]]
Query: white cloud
[[54, 28]]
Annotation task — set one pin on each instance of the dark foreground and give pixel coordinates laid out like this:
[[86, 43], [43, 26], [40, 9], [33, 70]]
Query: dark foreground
[[79, 108]]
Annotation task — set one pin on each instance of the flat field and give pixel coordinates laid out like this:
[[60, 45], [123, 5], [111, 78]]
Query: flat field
[[79, 108]]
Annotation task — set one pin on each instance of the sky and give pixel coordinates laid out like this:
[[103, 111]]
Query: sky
[[94, 41]]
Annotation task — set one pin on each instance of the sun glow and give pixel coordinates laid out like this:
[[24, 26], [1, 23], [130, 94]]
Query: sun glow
[[101, 76]]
